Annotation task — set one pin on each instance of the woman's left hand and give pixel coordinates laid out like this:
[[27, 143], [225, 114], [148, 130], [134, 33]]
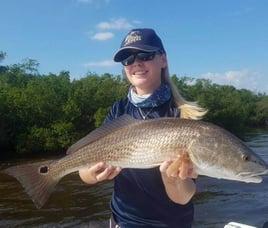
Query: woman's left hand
[[177, 177], [179, 167]]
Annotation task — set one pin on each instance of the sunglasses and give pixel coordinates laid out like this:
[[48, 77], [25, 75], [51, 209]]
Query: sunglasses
[[142, 56]]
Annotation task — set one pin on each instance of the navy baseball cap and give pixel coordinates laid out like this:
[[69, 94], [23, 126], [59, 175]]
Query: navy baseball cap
[[143, 39]]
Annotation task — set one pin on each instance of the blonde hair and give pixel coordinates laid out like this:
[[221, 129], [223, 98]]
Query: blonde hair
[[188, 110]]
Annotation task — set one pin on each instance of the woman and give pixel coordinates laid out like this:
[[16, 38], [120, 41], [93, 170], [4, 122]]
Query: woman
[[148, 197]]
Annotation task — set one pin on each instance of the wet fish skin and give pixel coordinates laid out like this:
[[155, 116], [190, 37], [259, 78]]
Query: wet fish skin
[[131, 143]]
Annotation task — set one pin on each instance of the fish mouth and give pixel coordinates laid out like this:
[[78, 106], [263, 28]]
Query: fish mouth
[[252, 177], [253, 174]]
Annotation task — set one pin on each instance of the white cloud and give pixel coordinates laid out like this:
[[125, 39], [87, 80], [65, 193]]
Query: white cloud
[[104, 63], [115, 24], [112, 24], [245, 78], [102, 36]]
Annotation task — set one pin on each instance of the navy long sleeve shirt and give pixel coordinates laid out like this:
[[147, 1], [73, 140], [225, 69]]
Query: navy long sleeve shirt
[[139, 198]]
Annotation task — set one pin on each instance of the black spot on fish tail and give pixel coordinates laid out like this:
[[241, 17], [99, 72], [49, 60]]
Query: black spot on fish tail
[[43, 169], [37, 180]]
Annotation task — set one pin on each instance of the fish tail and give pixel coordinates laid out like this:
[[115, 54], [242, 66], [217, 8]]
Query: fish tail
[[37, 179]]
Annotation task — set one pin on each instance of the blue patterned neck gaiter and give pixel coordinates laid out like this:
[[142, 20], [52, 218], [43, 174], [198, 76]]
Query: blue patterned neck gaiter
[[157, 98]]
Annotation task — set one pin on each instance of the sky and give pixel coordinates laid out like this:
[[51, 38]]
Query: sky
[[225, 41]]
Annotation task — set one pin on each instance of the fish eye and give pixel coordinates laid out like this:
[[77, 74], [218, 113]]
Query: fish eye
[[245, 157]]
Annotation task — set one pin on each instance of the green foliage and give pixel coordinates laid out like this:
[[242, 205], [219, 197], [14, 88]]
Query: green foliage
[[47, 113], [261, 116], [228, 107], [92, 94]]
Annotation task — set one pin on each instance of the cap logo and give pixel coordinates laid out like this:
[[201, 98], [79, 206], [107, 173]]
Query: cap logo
[[132, 37]]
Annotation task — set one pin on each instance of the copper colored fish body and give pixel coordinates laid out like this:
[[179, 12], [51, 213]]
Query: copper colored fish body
[[131, 143]]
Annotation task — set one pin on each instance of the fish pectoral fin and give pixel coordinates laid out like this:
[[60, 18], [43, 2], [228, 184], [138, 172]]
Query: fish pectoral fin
[[179, 166]]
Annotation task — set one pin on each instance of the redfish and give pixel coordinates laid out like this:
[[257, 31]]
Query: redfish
[[131, 143]]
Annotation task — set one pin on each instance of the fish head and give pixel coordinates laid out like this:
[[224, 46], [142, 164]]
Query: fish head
[[218, 153]]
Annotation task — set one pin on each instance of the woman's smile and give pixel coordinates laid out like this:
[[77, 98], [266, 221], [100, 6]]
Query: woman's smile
[[143, 72]]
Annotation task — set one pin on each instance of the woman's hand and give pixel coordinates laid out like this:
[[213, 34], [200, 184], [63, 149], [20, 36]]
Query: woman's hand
[[98, 172], [177, 177], [181, 167]]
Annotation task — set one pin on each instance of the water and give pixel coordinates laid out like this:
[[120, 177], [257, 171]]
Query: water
[[75, 204]]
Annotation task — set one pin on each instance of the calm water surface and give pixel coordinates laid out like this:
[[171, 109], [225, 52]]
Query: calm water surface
[[75, 204]]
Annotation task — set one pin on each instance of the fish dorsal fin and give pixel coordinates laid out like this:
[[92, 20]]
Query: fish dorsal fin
[[102, 131]]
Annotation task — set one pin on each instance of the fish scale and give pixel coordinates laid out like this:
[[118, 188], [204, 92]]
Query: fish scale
[[131, 143]]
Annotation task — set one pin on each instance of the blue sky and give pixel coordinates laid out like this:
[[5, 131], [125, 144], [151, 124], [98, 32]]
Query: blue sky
[[222, 40]]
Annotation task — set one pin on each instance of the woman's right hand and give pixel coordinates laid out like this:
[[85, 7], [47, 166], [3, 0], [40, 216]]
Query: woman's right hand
[[98, 172]]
